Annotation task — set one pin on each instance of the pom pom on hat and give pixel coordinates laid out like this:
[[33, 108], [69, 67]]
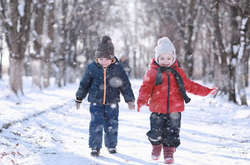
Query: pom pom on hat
[[164, 46], [105, 49]]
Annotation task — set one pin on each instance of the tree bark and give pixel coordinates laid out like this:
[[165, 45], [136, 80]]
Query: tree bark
[[49, 48], [61, 61], [72, 52], [36, 71], [15, 76], [189, 33], [60, 75], [37, 63], [233, 58], [1, 56], [242, 56], [17, 39], [223, 83]]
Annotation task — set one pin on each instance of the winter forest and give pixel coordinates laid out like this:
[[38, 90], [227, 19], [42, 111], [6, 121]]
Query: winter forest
[[45, 39], [45, 46]]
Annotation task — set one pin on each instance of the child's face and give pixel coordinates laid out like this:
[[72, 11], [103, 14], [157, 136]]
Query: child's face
[[105, 62], [165, 60]]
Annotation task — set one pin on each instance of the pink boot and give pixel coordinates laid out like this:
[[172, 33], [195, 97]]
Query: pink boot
[[169, 154], [156, 151]]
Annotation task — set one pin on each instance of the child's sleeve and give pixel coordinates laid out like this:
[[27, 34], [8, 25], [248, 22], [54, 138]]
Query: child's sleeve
[[84, 85], [146, 87], [125, 88], [193, 87]]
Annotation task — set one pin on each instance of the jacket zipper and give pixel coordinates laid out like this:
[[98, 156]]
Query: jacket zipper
[[104, 87], [168, 93]]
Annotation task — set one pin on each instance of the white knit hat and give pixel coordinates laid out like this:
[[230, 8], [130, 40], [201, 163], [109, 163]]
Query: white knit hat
[[164, 46]]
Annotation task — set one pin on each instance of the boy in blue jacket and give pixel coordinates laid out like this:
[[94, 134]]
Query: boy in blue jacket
[[103, 81]]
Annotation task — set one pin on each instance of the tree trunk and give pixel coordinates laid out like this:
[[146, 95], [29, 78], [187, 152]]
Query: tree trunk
[[192, 11], [46, 73], [233, 58], [247, 65], [17, 39], [72, 52], [222, 57], [247, 51], [15, 76], [135, 64], [36, 65], [188, 58], [232, 82], [60, 74], [1, 60], [36, 69], [242, 56], [49, 48], [61, 61], [1, 56]]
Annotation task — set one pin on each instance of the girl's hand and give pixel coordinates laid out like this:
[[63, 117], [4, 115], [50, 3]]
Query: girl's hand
[[214, 91], [139, 107], [140, 104]]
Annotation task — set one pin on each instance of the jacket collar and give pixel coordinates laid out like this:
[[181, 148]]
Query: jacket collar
[[155, 65], [114, 61]]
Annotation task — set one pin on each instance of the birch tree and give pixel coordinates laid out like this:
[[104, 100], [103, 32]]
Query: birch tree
[[229, 31], [240, 15]]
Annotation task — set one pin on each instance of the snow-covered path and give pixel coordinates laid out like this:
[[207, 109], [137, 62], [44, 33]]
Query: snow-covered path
[[213, 132]]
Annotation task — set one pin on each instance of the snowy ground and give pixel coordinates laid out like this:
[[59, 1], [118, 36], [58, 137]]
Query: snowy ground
[[44, 128]]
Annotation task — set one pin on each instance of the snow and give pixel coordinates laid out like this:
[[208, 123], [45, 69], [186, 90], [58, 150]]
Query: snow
[[21, 7], [44, 128]]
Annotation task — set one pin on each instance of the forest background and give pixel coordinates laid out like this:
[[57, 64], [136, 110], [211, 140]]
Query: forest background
[[46, 39]]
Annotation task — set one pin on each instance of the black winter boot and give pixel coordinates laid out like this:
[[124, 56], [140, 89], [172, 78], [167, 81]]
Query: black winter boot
[[95, 152], [112, 150]]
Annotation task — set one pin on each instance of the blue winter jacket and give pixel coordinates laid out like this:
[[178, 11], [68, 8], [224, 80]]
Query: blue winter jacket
[[103, 86]]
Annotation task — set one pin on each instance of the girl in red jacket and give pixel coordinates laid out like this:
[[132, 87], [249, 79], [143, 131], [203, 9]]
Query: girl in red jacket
[[164, 91]]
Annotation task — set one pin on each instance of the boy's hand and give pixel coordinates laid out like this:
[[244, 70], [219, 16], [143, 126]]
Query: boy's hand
[[78, 103], [131, 105]]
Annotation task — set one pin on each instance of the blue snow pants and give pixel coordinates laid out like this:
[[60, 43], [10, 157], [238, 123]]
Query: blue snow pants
[[165, 129], [103, 117]]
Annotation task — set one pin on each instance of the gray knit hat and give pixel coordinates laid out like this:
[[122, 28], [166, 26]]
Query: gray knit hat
[[164, 46], [105, 49]]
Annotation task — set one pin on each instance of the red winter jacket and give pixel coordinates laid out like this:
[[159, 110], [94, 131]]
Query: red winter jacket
[[157, 97]]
